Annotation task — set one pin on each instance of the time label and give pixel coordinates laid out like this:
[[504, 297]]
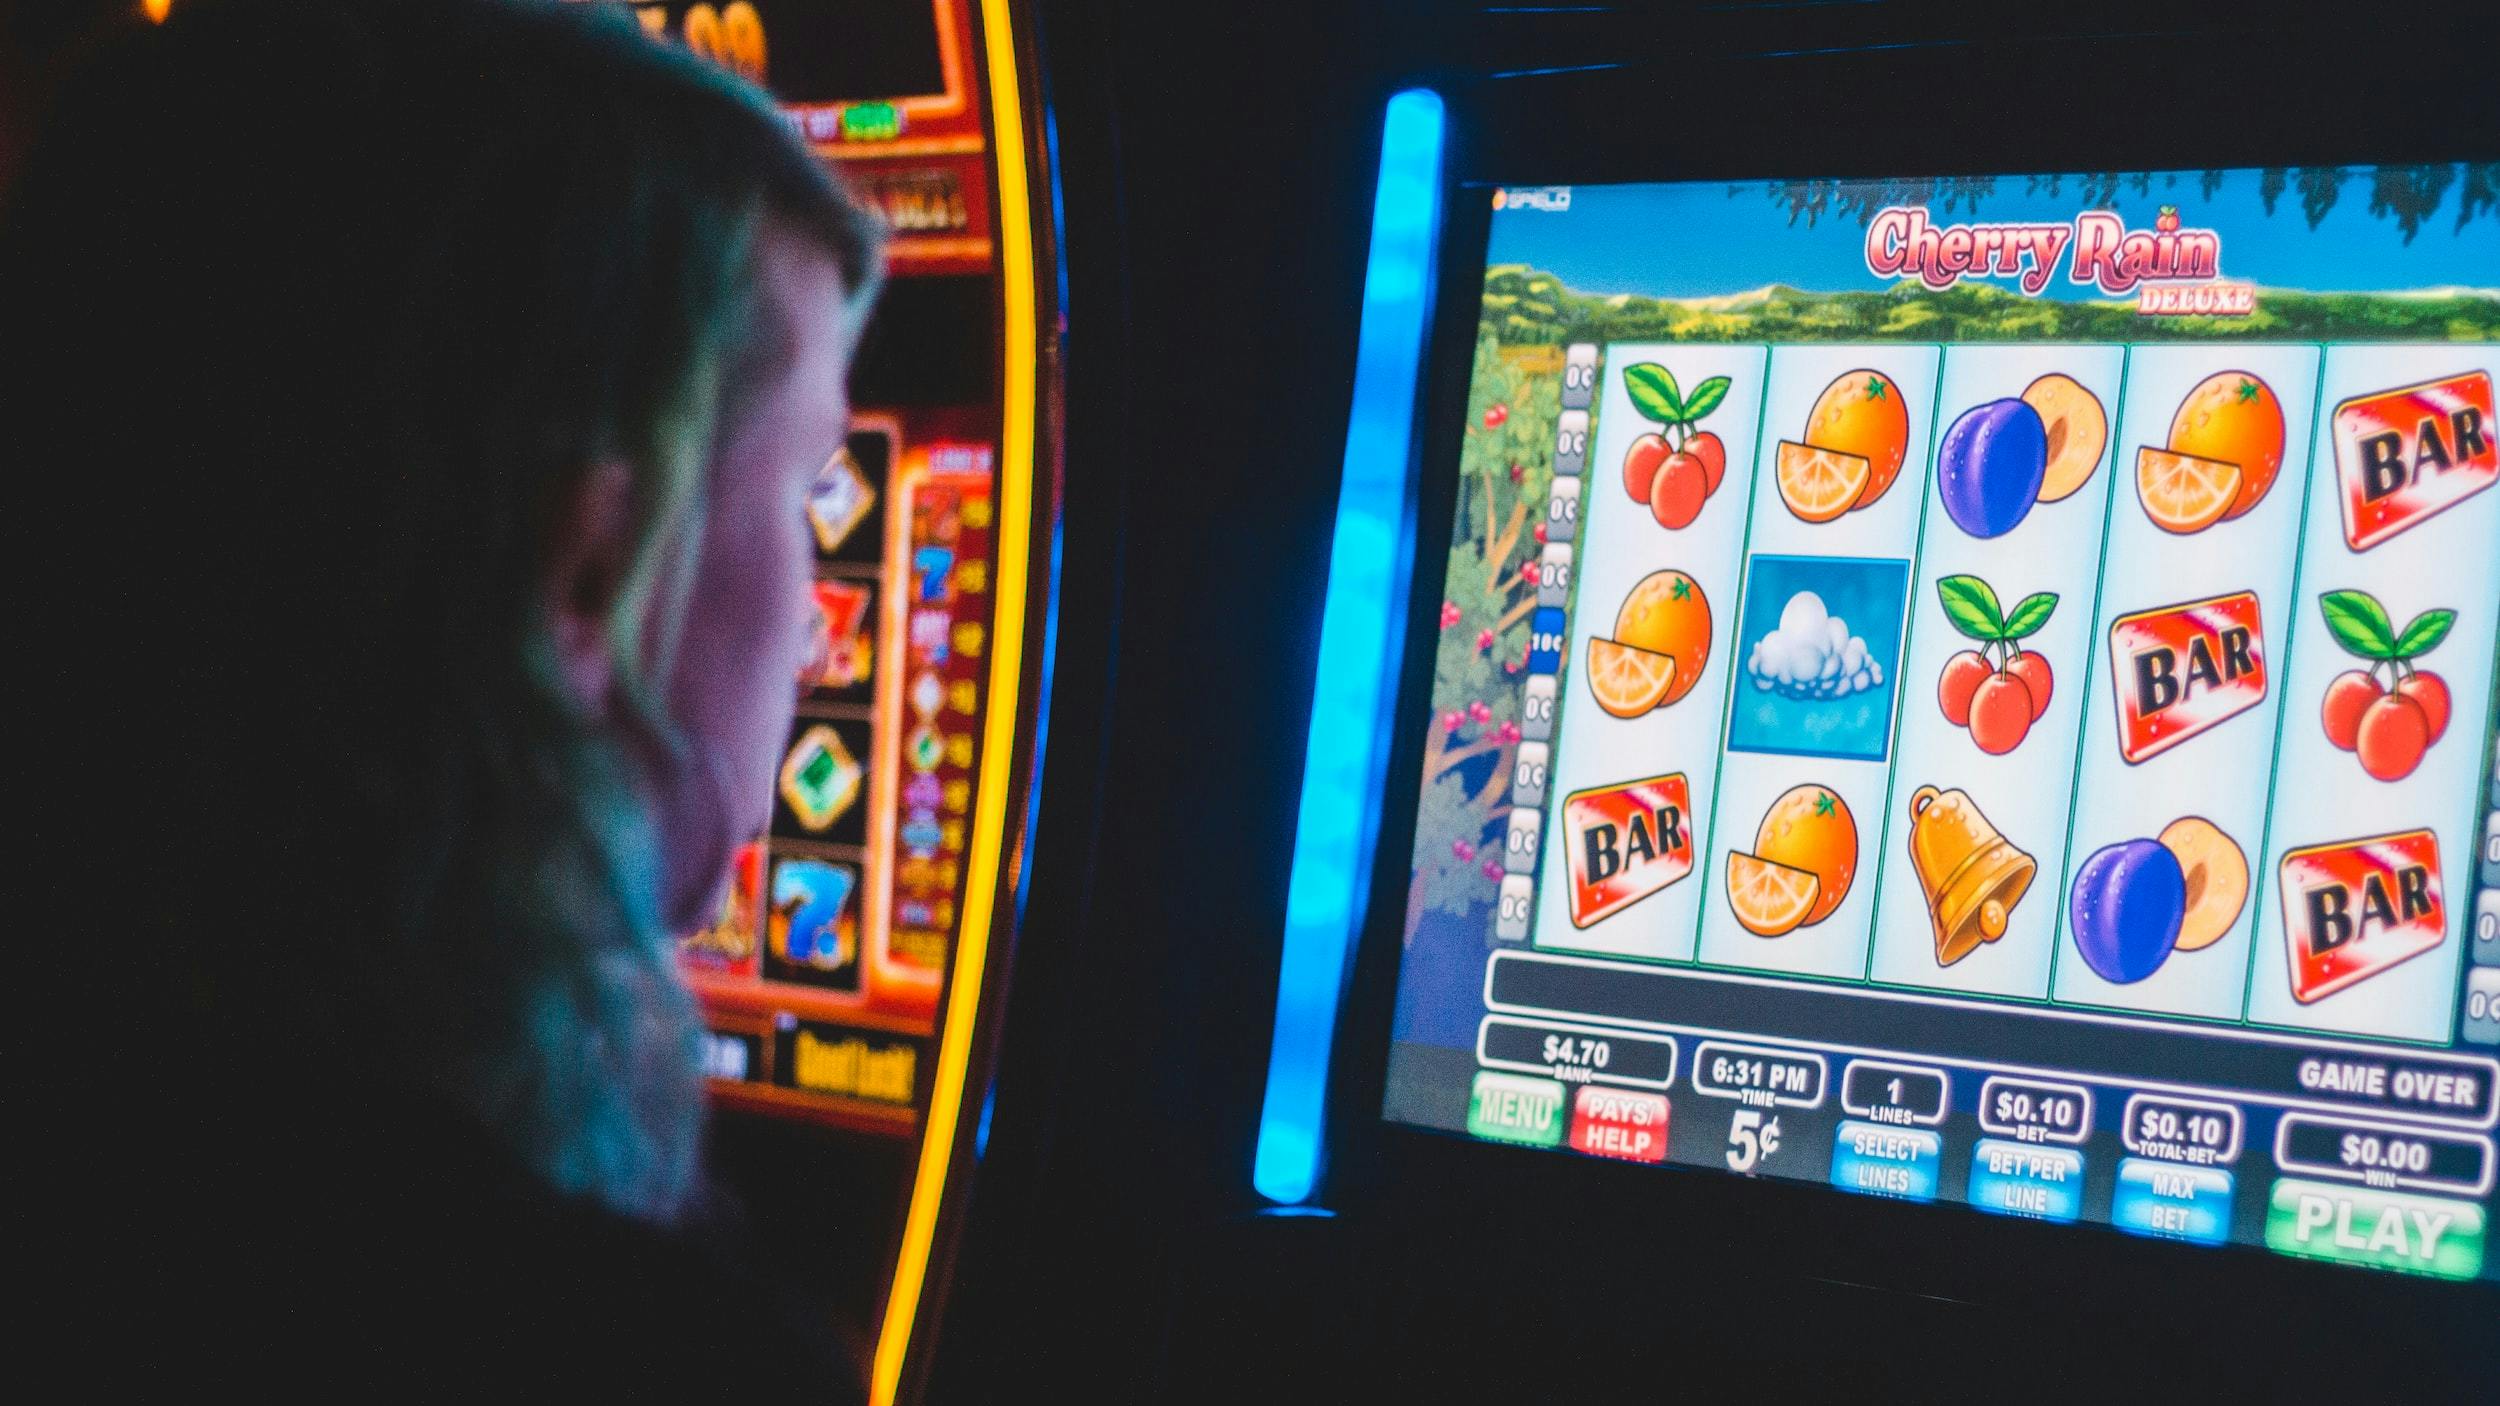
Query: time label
[[1763, 1078]]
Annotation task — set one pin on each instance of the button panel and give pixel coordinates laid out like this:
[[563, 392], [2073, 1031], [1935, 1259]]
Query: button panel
[[1514, 1108]]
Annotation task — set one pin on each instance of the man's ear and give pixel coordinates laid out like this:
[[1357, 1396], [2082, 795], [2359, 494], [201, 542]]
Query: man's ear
[[587, 554]]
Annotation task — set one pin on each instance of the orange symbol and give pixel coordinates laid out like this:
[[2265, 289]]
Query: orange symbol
[[1771, 900], [1861, 417], [1661, 640], [1804, 858], [1628, 682], [2182, 493], [1819, 484], [2224, 451]]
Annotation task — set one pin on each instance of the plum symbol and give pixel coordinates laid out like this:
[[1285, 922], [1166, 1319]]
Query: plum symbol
[[2001, 459], [2127, 906]]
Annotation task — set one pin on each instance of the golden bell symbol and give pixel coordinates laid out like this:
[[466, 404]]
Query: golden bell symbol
[[1971, 875]]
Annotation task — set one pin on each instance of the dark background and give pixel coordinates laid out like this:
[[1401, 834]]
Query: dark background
[[1216, 163]]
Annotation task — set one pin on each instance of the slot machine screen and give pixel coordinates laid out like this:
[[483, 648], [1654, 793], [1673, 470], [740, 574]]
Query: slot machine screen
[[1980, 690]]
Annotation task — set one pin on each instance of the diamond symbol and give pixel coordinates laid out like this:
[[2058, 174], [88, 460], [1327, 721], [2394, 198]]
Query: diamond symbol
[[838, 501], [820, 778]]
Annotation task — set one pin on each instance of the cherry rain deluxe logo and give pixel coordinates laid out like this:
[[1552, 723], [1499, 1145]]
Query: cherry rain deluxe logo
[[2172, 271]]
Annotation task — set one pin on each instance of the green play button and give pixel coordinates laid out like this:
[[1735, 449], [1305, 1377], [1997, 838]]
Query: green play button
[[2382, 1229]]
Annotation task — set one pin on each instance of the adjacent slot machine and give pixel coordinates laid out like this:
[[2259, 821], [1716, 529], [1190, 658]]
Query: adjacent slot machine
[[855, 965]]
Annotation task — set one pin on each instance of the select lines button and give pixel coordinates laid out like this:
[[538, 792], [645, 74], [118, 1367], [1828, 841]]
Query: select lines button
[[1880, 1159], [2382, 1229]]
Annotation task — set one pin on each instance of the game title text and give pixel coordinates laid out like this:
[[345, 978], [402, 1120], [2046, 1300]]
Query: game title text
[[2171, 270]]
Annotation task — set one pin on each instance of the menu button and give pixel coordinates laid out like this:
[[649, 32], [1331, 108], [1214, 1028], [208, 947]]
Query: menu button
[[1512, 1108]]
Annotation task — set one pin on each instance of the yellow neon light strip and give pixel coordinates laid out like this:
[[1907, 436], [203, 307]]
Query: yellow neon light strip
[[998, 745]]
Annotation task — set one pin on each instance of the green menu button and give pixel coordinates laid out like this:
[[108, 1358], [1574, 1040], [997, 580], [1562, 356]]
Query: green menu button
[[1515, 1108], [2382, 1229]]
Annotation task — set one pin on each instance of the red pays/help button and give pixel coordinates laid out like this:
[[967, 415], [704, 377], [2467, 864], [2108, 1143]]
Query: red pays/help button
[[1615, 1123], [2405, 454]]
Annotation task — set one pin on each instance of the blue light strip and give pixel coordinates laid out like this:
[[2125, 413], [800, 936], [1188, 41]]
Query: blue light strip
[[1350, 697]]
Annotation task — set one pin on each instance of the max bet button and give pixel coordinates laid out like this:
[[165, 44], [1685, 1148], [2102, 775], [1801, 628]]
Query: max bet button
[[2172, 1201]]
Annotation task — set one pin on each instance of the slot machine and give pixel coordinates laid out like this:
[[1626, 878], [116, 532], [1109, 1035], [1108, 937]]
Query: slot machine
[[1826, 723], [851, 980]]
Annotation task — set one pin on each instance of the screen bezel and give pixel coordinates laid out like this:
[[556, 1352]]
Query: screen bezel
[[1566, 129]]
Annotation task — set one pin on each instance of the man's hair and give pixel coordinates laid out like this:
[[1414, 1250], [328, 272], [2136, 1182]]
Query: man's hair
[[328, 307]]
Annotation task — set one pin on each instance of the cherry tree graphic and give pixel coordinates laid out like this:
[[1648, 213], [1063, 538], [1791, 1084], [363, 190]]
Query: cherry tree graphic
[[1506, 468]]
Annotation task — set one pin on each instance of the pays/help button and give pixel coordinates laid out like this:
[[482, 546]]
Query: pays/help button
[[1619, 1123]]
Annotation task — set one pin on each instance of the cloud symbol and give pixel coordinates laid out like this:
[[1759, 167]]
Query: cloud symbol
[[1812, 655]]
